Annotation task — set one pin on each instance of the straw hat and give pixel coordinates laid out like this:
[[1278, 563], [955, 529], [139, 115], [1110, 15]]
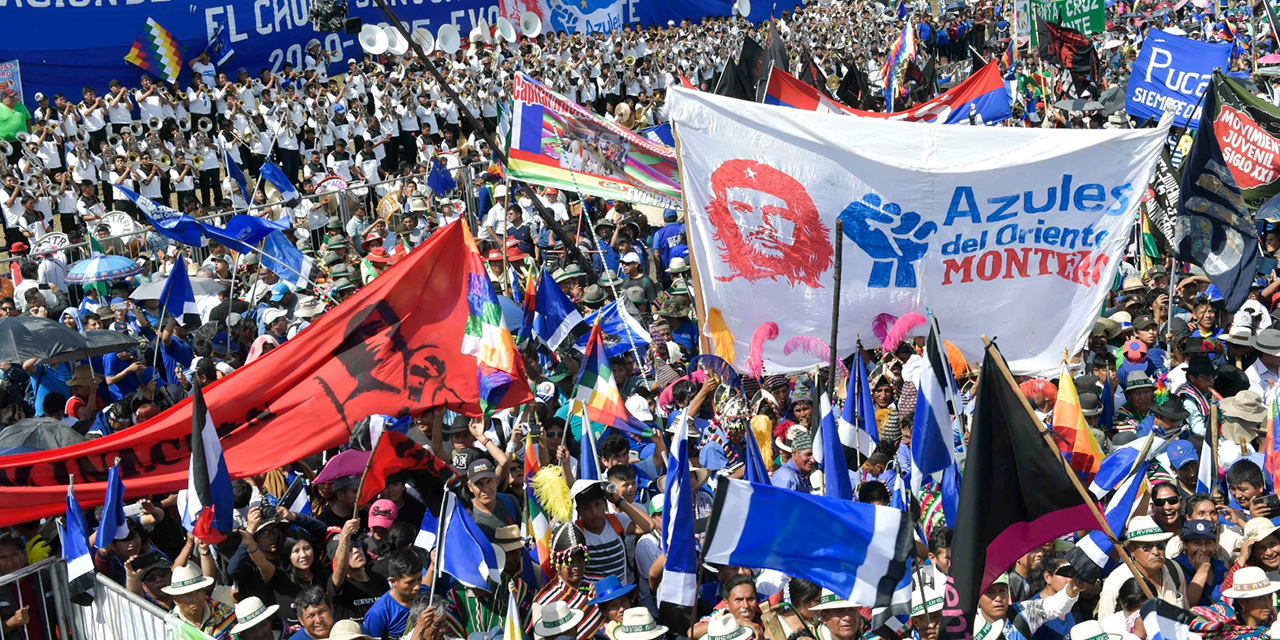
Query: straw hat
[[638, 624], [556, 618], [348, 630], [1258, 528], [185, 580]]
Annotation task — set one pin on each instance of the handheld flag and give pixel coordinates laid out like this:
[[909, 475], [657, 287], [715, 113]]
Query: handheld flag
[[219, 48], [468, 555], [275, 175], [209, 504], [836, 480], [439, 179], [931, 433], [113, 525], [556, 319], [862, 552], [1075, 439], [856, 417], [75, 550], [1164, 621], [1272, 447], [167, 222], [756, 470], [511, 627], [157, 51], [537, 526], [678, 590], [177, 296], [1097, 546], [394, 453], [622, 332], [588, 460], [597, 391], [236, 174], [895, 65], [498, 364]]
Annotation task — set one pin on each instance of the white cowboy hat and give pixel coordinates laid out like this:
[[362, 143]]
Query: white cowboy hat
[[724, 626], [926, 599], [185, 580], [348, 630], [1090, 630], [829, 600], [1144, 529], [250, 612], [555, 619], [638, 624], [1250, 582]]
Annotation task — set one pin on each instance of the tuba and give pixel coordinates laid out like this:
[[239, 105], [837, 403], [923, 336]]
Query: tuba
[[154, 123], [184, 123], [136, 128]]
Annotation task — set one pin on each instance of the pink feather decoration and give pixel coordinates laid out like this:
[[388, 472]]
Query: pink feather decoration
[[881, 324], [755, 356], [812, 346], [900, 329]]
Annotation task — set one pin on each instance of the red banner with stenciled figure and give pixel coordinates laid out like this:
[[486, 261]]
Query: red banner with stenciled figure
[[394, 347]]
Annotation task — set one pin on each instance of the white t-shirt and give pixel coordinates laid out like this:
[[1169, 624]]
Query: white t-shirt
[[208, 73]]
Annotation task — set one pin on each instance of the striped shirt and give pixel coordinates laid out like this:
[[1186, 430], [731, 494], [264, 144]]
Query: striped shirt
[[579, 599], [607, 551], [472, 611], [218, 619]]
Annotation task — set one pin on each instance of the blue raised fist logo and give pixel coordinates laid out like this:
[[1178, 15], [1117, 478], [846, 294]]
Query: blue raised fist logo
[[866, 222]]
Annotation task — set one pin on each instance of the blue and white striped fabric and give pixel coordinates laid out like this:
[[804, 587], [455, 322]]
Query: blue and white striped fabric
[[113, 525], [836, 482], [1120, 508], [1207, 479], [623, 333], [679, 584], [856, 416], [931, 437], [862, 552], [468, 555], [177, 296], [555, 318], [588, 460], [75, 550], [1117, 465], [1164, 621]]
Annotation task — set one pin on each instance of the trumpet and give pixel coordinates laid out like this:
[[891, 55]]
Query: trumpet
[[197, 161], [136, 128], [154, 123], [165, 161], [184, 123]]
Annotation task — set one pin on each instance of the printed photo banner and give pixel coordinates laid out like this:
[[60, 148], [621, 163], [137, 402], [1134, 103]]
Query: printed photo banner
[[1015, 234], [555, 142]]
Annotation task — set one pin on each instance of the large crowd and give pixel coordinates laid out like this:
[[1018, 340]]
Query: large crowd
[[1165, 357]]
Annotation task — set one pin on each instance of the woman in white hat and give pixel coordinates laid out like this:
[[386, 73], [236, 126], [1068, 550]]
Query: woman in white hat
[[1260, 549], [1146, 542], [1252, 607], [569, 558]]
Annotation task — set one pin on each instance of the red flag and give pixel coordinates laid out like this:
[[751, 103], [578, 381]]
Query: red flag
[[382, 348], [684, 82], [396, 453]]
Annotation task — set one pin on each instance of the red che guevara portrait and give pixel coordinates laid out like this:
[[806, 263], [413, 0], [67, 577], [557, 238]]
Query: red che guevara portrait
[[766, 226]]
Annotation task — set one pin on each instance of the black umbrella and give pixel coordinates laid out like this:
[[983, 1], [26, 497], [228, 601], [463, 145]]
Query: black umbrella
[[1078, 104], [26, 337], [98, 342], [1112, 99], [40, 434], [219, 313]]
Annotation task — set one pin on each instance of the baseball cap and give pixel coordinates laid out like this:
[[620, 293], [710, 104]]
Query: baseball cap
[[383, 514], [480, 469], [638, 407], [39, 96], [630, 256], [1181, 452], [1198, 530], [1143, 322]]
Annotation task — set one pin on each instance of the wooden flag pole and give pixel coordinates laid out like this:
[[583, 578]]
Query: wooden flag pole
[[835, 313], [1075, 480]]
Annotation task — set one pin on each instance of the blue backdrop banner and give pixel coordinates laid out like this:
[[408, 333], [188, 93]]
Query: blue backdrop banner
[[64, 45], [1170, 74]]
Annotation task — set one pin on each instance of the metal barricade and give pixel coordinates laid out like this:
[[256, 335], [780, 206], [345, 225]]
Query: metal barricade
[[117, 612], [42, 590]]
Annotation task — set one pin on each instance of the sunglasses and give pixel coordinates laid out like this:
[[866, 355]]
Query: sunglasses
[[1164, 502], [1148, 546]]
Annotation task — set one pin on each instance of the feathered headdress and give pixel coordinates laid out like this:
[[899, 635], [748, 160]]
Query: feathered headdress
[[755, 356]]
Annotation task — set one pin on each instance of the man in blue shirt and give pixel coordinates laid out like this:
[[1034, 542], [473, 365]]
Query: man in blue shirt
[[387, 618], [794, 474]]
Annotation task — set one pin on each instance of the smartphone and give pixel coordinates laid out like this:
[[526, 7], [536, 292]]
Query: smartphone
[[1270, 502], [148, 559]]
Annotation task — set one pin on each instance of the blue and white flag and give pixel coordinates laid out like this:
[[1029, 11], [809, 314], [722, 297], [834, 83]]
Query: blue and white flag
[[275, 175], [1096, 546], [439, 179], [555, 317], [282, 257], [836, 480], [167, 222], [1171, 73], [1164, 621], [857, 415], [1207, 479], [862, 552], [251, 229], [950, 494], [623, 333], [1118, 464], [931, 432], [113, 525], [756, 470], [209, 510], [75, 550], [468, 555], [588, 457], [233, 170], [177, 297], [681, 567], [219, 48]]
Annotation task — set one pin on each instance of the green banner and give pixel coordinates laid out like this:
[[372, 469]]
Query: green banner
[[1085, 16]]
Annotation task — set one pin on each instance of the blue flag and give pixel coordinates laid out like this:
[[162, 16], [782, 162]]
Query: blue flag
[[251, 229], [1108, 407], [680, 572], [167, 222], [236, 174], [468, 555], [835, 471], [950, 494], [282, 257], [1096, 546], [275, 175], [588, 460], [75, 550], [555, 317], [756, 470], [177, 297], [219, 48], [862, 552], [622, 332], [440, 180], [931, 435], [113, 525]]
